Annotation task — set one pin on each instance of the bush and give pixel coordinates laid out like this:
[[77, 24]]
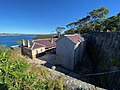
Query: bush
[[16, 74]]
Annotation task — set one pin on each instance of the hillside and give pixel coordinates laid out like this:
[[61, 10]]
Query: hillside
[[17, 74], [20, 73]]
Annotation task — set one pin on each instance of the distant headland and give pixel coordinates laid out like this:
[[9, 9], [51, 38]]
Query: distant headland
[[16, 34]]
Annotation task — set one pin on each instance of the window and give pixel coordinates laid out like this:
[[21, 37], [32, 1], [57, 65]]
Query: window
[[41, 50], [36, 51]]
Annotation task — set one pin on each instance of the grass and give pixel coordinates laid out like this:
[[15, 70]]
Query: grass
[[17, 74]]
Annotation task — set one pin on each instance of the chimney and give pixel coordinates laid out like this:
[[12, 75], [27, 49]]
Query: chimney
[[23, 42], [28, 43], [51, 40]]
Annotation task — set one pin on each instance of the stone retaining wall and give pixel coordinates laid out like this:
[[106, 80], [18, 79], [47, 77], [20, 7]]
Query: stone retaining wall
[[72, 83], [104, 50], [69, 82]]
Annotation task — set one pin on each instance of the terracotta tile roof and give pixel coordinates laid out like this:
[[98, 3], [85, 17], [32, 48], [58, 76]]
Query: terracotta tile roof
[[31, 44], [46, 42], [75, 38], [34, 45]]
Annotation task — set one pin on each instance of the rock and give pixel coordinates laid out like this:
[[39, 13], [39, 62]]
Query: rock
[[53, 67]]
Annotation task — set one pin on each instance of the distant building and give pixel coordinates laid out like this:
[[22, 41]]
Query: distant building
[[69, 50], [36, 47]]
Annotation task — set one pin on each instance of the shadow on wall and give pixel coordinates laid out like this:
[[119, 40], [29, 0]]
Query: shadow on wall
[[101, 54], [3, 87], [103, 49]]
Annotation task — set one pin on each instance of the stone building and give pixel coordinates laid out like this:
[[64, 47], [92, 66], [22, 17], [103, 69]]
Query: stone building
[[69, 50], [37, 47]]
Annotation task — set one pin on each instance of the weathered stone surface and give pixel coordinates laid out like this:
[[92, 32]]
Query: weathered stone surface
[[75, 84], [103, 55], [104, 50], [69, 82]]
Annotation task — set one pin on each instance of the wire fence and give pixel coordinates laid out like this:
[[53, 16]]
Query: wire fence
[[108, 80]]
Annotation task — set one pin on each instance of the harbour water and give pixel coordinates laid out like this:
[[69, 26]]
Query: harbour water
[[12, 40]]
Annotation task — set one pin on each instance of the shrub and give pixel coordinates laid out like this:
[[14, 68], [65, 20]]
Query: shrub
[[16, 74]]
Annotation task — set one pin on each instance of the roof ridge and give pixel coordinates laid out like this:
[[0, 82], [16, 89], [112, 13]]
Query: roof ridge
[[37, 44], [33, 45], [69, 35]]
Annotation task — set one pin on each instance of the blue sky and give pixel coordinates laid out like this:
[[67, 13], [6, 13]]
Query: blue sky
[[43, 16]]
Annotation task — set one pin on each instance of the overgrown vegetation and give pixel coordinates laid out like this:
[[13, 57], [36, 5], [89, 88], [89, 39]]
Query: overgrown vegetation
[[17, 74]]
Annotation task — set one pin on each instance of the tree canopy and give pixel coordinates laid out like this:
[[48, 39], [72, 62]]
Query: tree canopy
[[95, 20], [59, 30]]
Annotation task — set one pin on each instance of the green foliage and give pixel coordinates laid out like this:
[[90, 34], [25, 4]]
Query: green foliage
[[59, 83], [56, 84], [112, 23], [115, 62], [69, 32], [19, 42], [99, 14], [43, 36], [95, 20], [16, 74], [59, 30]]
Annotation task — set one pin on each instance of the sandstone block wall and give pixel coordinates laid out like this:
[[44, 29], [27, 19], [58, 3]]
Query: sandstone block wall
[[102, 54], [104, 50]]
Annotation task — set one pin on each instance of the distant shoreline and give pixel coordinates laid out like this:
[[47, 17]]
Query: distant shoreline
[[7, 34], [17, 34]]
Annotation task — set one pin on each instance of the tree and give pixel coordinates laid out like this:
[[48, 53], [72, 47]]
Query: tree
[[93, 21], [19, 42], [99, 13], [82, 23], [112, 23], [69, 32], [72, 26], [98, 16], [77, 26], [118, 19], [59, 30], [118, 14]]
